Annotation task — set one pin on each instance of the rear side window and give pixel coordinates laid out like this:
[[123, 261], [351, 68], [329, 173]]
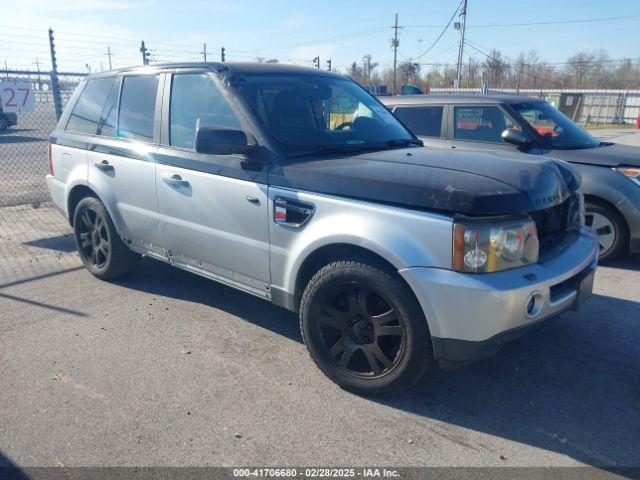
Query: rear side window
[[137, 107], [481, 123], [109, 112], [196, 101], [85, 116], [423, 121]]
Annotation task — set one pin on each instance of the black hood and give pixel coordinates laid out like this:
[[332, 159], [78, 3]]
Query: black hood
[[607, 155], [466, 182]]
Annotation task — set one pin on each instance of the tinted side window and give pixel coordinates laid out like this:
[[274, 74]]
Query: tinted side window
[[86, 113], [109, 112], [480, 124], [196, 101], [424, 121], [137, 107]]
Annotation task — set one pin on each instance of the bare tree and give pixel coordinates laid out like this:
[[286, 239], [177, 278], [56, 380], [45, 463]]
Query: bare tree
[[581, 70]]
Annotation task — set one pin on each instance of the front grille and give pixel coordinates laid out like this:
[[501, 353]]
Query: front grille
[[556, 224]]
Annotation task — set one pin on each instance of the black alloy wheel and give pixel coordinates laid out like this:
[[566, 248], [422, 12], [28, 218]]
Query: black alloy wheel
[[364, 328], [94, 238], [360, 330], [101, 249]]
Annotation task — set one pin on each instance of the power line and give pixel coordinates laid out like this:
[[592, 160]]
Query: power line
[[441, 33], [527, 24], [554, 22]]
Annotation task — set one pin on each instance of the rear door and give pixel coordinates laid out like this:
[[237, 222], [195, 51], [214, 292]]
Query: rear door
[[213, 208], [427, 122], [122, 159]]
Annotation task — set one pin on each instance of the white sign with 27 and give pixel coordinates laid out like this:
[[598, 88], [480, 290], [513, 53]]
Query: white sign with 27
[[16, 97]]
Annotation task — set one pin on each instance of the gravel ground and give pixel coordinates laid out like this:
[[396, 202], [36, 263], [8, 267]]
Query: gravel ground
[[166, 368]]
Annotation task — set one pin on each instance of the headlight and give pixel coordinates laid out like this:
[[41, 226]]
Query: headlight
[[632, 174], [484, 246]]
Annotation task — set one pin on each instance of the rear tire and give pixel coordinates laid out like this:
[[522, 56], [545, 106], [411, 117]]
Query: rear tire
[[364, 328], [102, 251], [610, 227]]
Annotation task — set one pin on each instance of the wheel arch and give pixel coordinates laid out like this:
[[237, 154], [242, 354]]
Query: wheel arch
[[80, 191], [77, 193], [326, 254]]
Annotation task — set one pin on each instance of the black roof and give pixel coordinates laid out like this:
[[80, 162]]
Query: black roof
[[239, 67], [440, 98]]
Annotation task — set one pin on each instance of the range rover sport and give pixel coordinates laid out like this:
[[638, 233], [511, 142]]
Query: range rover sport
[[298, 186]]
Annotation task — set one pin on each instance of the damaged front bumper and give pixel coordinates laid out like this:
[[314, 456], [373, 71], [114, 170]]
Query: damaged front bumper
[[471, 316]]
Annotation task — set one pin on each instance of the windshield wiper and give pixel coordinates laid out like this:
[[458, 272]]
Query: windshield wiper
[[404, 142], [327, 149], [355, 148]]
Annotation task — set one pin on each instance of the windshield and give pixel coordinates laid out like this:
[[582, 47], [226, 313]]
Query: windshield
[[556, 130], [315, 114]]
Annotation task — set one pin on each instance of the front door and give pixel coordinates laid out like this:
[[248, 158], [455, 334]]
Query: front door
[[213, 210], [480, 127]]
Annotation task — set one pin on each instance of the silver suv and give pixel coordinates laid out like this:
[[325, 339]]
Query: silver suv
[[297, 186]]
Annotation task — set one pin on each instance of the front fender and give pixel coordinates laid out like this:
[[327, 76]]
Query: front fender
[[404, 238], [614, 188]]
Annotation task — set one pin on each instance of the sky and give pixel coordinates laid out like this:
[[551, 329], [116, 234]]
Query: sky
[[297, 31]]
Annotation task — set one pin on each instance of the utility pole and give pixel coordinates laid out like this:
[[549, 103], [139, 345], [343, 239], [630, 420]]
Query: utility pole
[[6, 69], [145, 53], [329, 64], [109, 54], [366, 66], [222, 54], [316, 62], [204, 51], [463, 20], [55, 86], [37, 64], [395, 43]]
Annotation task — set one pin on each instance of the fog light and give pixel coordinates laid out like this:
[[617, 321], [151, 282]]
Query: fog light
[[534, 305]]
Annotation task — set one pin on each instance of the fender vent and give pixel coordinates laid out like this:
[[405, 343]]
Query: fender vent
[[291, 213]]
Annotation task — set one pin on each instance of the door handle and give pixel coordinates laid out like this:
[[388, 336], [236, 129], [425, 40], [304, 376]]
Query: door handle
[[254, 200], [104, 166], [174, 180]]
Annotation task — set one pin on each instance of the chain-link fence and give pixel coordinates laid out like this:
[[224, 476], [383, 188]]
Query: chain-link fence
[[23, 147], [34, 238]]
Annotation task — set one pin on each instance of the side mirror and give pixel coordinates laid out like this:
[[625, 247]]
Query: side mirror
[[515, 137], [218, 140]]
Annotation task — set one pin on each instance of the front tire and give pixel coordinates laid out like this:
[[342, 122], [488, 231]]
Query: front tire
[[102, 251], [364, 328], [610, 228]]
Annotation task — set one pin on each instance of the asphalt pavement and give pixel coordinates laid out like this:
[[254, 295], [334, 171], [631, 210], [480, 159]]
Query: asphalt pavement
[[166, 368]]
